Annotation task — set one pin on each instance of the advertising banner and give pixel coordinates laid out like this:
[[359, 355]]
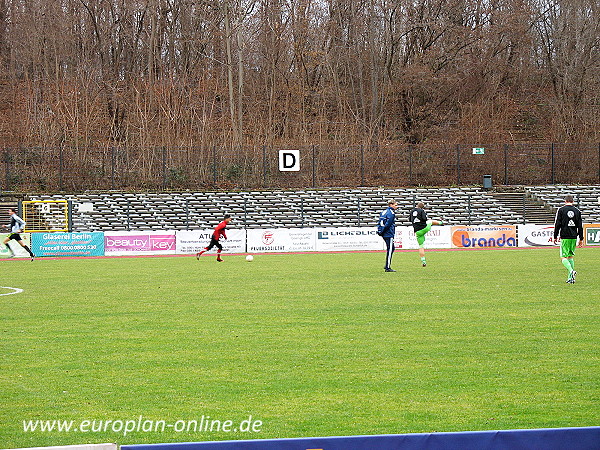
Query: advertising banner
[[281, 240], [190, 242], [139, 243], [437, 237], [20, 252], [536, 235], [591, 233], [68, 244], [348, 239], [484, 236]]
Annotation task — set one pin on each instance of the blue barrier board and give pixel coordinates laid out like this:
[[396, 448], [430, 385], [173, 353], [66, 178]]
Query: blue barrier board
[[587, 438]]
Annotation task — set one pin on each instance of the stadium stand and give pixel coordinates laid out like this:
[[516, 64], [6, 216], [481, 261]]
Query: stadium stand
[[104, 211]]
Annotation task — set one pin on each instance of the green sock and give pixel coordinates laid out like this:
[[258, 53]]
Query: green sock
[[567, 264], [423, 259], [572, 261]]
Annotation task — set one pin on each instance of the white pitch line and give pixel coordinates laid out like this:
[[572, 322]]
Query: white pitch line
[[15, 290]]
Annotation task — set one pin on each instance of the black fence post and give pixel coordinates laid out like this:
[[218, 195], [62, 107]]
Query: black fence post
[[469, 207], [264, 166], [552, 163], [60, 169], [410, 164], [246, 222], [187, 214], [458, 164], [362, 165], [6, 170], [70, 215], [505, 164], [314, 167], [164, 167], [214, 165], [112, 168]]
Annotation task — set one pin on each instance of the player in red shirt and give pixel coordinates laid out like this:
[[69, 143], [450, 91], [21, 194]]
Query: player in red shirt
[[214, 240]]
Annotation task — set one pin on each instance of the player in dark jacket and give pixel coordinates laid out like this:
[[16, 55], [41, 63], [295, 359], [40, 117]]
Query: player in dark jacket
[[386, 228], [569, 226], [214, 240]]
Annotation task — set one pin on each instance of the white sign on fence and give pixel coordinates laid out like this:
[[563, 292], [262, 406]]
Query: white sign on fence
[[289, 160]]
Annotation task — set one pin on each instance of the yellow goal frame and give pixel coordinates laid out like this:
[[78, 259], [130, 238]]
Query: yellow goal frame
[[45, 215]]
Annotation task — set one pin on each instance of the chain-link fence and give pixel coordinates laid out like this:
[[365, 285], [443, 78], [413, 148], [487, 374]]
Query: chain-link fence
[[78, 169]]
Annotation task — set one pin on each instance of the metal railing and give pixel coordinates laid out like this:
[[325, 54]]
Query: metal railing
[[76, 169]]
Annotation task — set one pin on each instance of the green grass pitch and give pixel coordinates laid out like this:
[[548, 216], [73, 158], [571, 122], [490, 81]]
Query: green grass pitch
[[308, 344]]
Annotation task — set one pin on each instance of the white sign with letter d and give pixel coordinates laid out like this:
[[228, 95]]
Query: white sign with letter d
[[289, 160]]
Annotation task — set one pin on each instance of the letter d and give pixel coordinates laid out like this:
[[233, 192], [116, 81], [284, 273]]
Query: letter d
[[289, 160], [245, 425]]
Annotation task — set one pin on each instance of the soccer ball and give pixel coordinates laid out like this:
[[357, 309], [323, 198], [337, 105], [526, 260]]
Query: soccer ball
[[249, 258]]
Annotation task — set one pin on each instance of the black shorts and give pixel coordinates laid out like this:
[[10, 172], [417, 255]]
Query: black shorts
[[15, 236], [214, 243]]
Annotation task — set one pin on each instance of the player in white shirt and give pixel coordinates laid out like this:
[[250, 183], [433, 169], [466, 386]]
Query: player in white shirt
[[17, 225]]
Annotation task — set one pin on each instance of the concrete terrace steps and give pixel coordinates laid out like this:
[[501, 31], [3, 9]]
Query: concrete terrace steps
[[524, 207], [318, 208]]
